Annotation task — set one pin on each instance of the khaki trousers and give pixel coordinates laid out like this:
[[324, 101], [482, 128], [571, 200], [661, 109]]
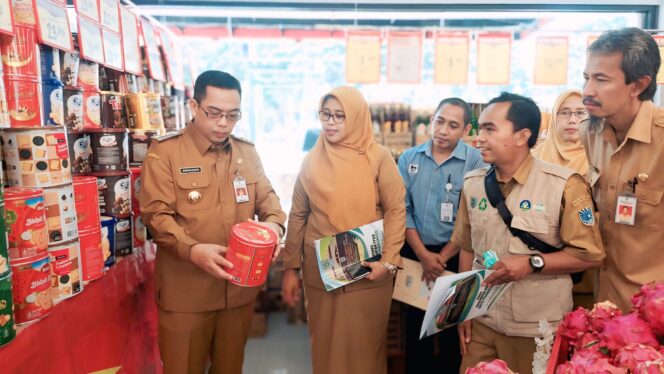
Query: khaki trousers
[[188, 341], [487, 345]]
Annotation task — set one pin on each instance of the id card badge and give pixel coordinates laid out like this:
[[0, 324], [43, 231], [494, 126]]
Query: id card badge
[[240, 188], [626, 209], [446, 212]]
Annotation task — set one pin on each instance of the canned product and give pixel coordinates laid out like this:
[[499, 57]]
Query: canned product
[[26, 222], [250, 250], [168, 109], [139, 232], [91, 110], [139, 142], [24, 13], [60, 214], [23, 101], [31, 288], [66, 267], [53, 107], [36, 157], [92, 259], [144, 112], [73, 100], [20, 56], [87, 204], [113, 113], [108, 240], [135, 177], [109, 149], [88, 75], [80, 151], [49, 59], [5, 121], [7, 328], [114, 195], [4, 251], [123, 237], [69, 62]]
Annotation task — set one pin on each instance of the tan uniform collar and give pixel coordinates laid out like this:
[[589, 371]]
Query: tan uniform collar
[[641, 128], [201, 143], [523, 171]]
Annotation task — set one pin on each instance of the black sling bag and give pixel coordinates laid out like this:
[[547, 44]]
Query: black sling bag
[[497, 201]]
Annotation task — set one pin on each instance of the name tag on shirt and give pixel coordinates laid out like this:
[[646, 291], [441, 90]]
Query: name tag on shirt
[[625, 209], [446, 212], [240, 188]]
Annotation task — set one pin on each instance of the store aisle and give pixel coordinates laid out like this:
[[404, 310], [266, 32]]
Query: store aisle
[[284, 350]]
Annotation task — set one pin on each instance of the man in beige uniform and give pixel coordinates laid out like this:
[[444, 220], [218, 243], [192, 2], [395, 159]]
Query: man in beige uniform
[[550, 202], [624, 140], [189, 202]]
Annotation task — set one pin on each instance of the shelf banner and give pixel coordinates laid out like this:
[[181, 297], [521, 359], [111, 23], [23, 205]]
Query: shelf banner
[[494, 57], [6, 18], [363, 57], [110, 17], [452, 58], [130, 46], [53, 25], [88, 9], [660, 43], [155, 66], [404, 57], [90, 41], [551, 60]]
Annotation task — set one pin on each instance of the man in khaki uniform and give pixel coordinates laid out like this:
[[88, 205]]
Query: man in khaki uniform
[[189, 200], [624, 141], [550, 202]]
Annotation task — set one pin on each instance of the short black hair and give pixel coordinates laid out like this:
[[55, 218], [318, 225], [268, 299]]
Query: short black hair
[[467, 112], [214, 78], [640, 55], [523, 113]]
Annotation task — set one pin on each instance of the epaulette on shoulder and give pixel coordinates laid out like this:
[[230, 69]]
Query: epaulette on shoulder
[[168, 135], [481, 172], [242, 139], [556, 170]]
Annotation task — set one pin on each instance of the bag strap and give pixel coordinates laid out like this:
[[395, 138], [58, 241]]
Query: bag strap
[[497, 200]]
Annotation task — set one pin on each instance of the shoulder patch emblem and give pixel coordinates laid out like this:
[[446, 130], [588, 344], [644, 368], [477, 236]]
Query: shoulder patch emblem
[[587, 217]]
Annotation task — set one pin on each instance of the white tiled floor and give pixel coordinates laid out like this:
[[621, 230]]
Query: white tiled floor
[[283, 350]]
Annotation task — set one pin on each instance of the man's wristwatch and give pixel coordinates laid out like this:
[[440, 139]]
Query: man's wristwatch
[[391, 268], [536, 263]]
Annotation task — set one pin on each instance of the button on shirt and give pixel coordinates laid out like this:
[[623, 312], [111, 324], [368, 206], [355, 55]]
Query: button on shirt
[[425, 184]]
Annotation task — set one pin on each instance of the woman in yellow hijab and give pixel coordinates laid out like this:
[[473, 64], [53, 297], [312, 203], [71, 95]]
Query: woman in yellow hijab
[[563, 144], [346, 181]]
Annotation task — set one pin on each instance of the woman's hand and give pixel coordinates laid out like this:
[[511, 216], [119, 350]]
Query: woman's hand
[[291, 288], [378, 271]]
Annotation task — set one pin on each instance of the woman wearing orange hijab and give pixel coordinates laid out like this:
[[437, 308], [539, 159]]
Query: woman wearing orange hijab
[[563, 144], [346, 181]]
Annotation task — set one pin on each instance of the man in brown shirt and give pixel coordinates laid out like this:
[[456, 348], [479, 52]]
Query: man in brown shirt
[[624, 141], [189, 200], [550, 202]]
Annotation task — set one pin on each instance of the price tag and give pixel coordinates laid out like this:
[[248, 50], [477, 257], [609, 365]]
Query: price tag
[[132, 55], [6, 18], [53, 25], [87, 8], [113, 50], [110, 17], [89, 40], [154, 57], [156, 67]]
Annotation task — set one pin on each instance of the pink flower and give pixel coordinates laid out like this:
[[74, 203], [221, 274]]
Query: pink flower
[[627, 329], [633, 354], [586, 341], [650, 367], [574, 324], [587, 363], [601, 313], [494, 367], [649, 301]]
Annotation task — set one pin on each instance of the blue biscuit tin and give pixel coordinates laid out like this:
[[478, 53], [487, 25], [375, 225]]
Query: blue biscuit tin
[[50, 62], [53, 105]]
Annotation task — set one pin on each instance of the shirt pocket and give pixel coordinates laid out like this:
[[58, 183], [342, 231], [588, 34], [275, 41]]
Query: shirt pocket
[[478, 224], [649, 207], [541, 297], [246, 209], [532, 225], [194, 192]]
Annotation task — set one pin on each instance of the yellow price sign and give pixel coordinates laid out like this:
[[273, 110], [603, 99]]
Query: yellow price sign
[[494, 58], [551, 60], [452, 58], [363, 57]]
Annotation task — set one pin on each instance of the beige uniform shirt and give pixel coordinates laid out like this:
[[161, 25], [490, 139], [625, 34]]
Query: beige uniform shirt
[[635, 254], [175, 171], [581, 241]]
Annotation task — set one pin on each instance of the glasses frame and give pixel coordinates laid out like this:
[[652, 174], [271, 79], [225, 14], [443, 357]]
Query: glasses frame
[[573, 113], [331, 115], [222, 115]]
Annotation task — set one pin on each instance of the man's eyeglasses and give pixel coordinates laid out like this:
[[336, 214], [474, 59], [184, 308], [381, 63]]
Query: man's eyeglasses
[[325, 116], [581, 114], [214, 115]]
